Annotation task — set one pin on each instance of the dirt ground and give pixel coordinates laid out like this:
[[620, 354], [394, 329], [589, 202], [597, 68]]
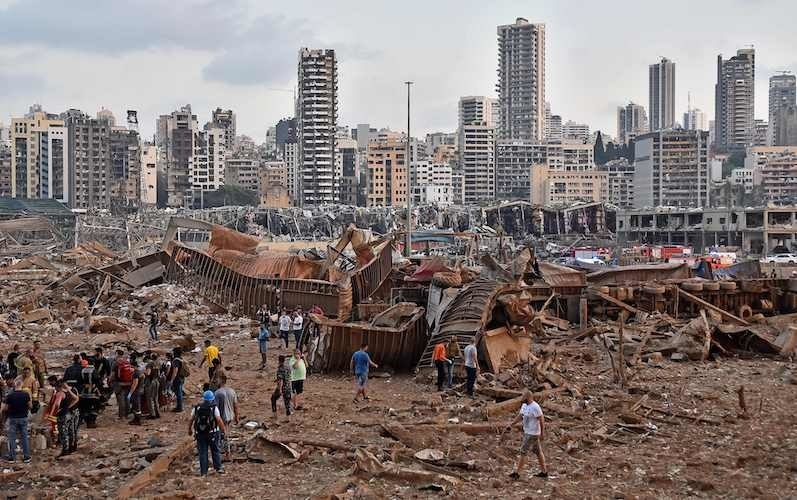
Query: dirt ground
[[687, 437]]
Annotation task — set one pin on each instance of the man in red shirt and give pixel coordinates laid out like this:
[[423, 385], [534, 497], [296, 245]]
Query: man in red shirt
[[440, 362]]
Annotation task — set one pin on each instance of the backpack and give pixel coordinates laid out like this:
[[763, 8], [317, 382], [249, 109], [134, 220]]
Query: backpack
[[204, 419], [183, 371], [125, 371]]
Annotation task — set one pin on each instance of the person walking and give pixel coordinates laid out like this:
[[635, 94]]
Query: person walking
[[209, 353], [264, 317], [68, 418], [205, 425], [154, 321], [360, 364], [533, 434], [471, 365], [282, 389], [452, 352], [227, 402], [441, 362], [298, 376], [298, 324], [16, 408], [285, 326]]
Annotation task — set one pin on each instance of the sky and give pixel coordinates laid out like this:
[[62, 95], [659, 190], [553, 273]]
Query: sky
[[155, 56]]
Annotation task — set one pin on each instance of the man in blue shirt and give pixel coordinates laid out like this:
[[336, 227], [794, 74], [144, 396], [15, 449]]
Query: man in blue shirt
[[360, 363]]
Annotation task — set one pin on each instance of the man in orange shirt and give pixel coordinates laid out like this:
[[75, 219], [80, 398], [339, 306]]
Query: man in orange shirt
[[440, 362]]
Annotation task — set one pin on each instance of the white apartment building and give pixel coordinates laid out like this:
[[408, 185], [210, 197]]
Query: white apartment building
[[572, 131], [431, 182], [744, 177], [207, 164], [317, 110], [478, 162], [521, 80]]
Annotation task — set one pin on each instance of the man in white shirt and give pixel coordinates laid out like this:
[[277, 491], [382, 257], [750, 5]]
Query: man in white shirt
[[471, 365], [285, 326], [298, 322], [533, 433]]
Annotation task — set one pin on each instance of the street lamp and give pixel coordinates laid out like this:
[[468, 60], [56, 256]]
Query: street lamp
[[408, 161]]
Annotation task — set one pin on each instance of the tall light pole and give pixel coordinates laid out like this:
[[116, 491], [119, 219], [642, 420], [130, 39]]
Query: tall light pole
[[408, 248]]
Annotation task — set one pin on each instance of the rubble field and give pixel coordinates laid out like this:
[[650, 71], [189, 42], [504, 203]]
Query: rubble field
[[673, 429]]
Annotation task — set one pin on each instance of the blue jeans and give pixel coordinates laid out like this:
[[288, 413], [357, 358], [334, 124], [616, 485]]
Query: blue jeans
[[471, 379], [284, 337], [153, 332], [178, 392], [18, 427], [450, 374], [203, 442], [297, 334]]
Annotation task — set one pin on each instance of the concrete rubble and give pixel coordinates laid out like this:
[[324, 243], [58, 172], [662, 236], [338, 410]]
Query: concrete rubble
[[654, 381]]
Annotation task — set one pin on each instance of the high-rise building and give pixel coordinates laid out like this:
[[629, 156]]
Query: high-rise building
[[89, 153], [387, 171], [5, 169], [620, 182], [631, 122], [40, 167], [477, 153], [149, 175], [554, 129], [671, 169], [225, 120], [207, 163], [787, 126], [782, 94], [572, 131], [521, 80], [290, 154], [513, 161], [760, 137], [125, 179], [174, 137], [285, 132], [243, 172], [661, 94], [695, 119], [477, 109], [348, 168], [734, 101], [316, 115]]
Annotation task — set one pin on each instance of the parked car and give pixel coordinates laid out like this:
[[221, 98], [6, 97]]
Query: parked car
[[781, 258]]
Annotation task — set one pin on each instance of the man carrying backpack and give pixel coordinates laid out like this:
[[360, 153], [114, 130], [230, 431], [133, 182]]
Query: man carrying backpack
[[205, 425], [122, 375]]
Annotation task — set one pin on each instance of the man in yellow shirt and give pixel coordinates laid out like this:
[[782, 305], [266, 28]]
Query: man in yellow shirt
[[209, 353]]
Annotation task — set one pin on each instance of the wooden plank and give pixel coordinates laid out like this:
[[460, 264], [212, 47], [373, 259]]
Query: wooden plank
[[688, 296], [148, 475]]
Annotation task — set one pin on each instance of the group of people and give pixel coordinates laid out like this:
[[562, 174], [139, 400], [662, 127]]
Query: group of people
[[443, 356]]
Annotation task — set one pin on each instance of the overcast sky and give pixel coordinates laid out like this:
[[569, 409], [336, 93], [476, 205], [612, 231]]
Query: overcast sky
[[154, 56]]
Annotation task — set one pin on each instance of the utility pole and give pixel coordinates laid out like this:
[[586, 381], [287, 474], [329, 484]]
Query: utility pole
[[408, 248]]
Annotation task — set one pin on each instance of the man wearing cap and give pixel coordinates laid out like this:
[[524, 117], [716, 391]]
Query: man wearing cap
[[205, 425]]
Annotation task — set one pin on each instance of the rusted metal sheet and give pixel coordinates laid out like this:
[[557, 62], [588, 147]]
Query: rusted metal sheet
[[561, 276], [370, 277], [640, 273], [469, 311], [396, 348], [245, 294]]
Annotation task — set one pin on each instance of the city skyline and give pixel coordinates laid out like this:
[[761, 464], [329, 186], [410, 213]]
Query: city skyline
[[215, 65]]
